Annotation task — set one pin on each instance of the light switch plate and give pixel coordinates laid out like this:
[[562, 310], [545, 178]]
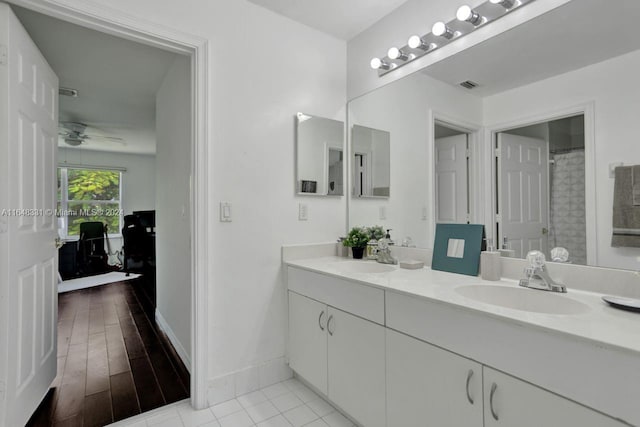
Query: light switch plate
[[303, 212], [424, 213], [225, 212], [383, 212]]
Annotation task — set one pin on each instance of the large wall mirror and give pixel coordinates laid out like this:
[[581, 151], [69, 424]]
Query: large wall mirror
[[319, 156], [529, 151]]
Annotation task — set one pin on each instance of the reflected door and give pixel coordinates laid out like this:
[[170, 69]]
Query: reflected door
[[27, 239], [451, 176], [523, 193]]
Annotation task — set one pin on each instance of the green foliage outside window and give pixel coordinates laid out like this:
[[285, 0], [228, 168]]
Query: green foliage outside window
[[92, 195]]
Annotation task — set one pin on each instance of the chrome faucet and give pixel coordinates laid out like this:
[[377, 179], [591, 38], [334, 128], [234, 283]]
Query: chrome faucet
[[537, 276]]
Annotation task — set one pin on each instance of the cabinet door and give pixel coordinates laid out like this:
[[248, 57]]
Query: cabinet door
[[428, 386], [356, 367], [510, 402], [308, 340]]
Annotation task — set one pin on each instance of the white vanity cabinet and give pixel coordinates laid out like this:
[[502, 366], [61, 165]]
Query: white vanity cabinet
[[510, 402], [308, 340], [339, 353], [428, 386]]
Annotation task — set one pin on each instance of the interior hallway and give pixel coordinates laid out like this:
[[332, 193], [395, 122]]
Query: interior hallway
[[113, 362]]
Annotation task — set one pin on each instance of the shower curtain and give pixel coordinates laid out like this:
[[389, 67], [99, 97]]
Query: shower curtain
[[568, 220]]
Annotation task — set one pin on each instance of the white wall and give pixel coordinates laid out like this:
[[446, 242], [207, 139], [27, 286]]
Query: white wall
[[417, 17], [263, 69], [403, 110], [173, 235], [617, 103]]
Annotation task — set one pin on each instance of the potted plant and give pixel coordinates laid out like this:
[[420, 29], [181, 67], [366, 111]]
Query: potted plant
[[357, 240]]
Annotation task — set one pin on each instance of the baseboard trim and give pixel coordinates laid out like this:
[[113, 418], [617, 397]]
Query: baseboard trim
[[182, 353]]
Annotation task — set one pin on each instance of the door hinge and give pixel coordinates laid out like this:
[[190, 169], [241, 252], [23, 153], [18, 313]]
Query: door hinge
[[3, 387], [497, 152], [4, 56], [498, 218], [468, 153], [468, 218]]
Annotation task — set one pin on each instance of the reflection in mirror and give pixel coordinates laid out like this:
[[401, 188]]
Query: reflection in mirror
[[455, 248], [319, 156], [370, 150], [451, 165], [541, 188], [552, 70]]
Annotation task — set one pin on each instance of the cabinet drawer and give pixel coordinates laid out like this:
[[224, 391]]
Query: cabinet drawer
[[363, 301]]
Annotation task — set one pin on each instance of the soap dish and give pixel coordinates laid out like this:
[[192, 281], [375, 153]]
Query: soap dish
[[623, 303], [411, 264]]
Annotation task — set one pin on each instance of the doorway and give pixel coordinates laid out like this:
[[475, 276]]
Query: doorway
[[188, 47], [540, 170]]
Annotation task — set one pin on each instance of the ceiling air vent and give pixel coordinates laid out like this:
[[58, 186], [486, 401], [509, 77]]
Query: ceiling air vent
[[65, 91], [468, 84]]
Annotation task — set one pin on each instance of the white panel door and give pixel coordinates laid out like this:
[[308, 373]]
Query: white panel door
[[451, 179], [28, 228], [510, 402], [523, 200], [308, 339], [356, 367], [428, 386]]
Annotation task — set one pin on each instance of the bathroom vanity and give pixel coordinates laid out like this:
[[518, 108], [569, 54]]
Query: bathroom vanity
[[402, 348]]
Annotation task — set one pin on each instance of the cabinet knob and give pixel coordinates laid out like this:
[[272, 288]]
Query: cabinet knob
[[320, 320], [494, 414], [469, 376], [329, 325]]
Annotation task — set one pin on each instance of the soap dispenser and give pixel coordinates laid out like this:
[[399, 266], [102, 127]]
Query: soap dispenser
[[490, 264]]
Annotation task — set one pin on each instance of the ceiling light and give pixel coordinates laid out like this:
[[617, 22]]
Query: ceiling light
[[466, 14], [507, 4], [379, 64], [416, 42], [440, 29], [395, 53]]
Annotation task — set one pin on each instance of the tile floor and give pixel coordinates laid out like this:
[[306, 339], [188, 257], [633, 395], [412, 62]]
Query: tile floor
[[286, 404]]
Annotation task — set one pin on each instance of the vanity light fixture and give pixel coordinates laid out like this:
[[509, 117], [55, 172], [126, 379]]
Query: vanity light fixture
[[466, 14], [416, 42], [440, 29], [444, 32], [379, 64], [395, 53], [507, 4]]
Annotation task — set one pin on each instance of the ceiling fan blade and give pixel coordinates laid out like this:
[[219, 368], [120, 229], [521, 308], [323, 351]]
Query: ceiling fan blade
[[105, 138]]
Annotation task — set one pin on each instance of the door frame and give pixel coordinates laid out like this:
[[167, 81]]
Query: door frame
[[119, 24], [588, 111], [475, 176]]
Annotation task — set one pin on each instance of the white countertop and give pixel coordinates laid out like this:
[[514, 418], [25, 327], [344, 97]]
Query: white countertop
[[601, 324]]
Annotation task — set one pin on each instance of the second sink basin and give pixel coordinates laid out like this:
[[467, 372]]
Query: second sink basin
[[523, 299], [364, 267]]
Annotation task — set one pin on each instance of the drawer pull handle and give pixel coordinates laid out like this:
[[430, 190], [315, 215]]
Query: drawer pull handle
[[469, 376], [320, 320], [494, 414], [329, 325]]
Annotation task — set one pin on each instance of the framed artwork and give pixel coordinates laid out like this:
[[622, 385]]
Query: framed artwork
[[457, 248]]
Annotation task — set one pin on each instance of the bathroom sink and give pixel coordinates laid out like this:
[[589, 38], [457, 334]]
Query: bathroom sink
[[364, 267], [524, 299]]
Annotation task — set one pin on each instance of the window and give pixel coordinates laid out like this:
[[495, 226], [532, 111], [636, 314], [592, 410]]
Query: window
[[89, 195]]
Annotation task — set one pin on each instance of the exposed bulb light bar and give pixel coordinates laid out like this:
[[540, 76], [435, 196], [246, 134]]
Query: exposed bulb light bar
[[416, 42], [507, 4], [466, 14], [440, 29], [395, 53], [446, 31], [379, 64]]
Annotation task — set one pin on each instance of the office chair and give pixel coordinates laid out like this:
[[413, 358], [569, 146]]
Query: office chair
[[92, 257]]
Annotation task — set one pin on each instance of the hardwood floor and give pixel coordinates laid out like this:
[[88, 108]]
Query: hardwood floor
[[113, 362]]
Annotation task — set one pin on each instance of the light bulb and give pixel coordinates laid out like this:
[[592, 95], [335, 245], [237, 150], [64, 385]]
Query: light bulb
[[504, 3], [395, 53], [466, 14], [440, 29], [377, 64], [416, 42]]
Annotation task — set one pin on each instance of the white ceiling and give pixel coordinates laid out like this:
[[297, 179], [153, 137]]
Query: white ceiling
[[117, 80], [580, 33], [340, 18]]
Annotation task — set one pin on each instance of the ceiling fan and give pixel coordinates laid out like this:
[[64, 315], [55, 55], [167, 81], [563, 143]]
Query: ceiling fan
[[74, 134]]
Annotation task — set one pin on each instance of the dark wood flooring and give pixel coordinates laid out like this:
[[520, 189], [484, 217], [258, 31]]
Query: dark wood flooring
[[113, 362]]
